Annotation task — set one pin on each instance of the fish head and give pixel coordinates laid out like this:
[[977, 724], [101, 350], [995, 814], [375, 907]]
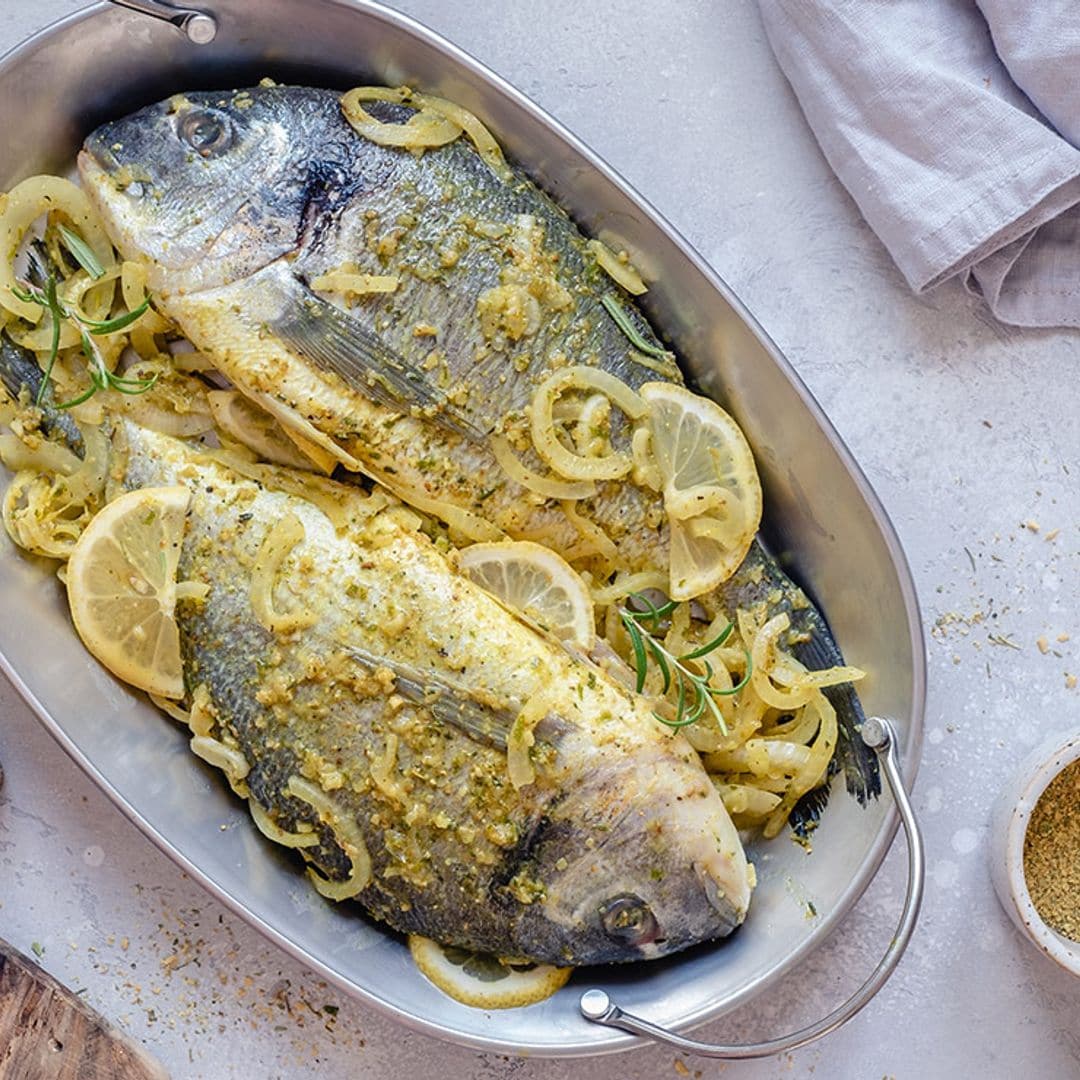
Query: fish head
[[637, 859], [208, 187]]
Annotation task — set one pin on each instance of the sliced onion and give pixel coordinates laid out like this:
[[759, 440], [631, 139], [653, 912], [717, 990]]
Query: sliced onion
[[353, 283], [150, 415], [545, 486], [815, 768], [273, 831], [699, 501], [47, 457], [563, 461], [423, 131], [346, 832], [290, 419], [468, 524], [285, 534], [519, 742], [646, 472], [24, 204], [594, 537], [231, 762], [620, 271], [625, 584], [478, 134], [763, 649]]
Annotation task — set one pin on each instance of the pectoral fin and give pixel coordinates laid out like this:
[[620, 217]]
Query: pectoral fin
[[485, 722], [333, 340]]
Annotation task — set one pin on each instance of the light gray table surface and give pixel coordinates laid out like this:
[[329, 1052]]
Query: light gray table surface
[[969, 432]]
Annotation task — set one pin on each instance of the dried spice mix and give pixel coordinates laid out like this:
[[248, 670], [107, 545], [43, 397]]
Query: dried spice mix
[[1052, 853]]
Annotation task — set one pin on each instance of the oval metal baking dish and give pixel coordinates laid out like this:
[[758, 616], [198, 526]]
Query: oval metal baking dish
[[104, 62]]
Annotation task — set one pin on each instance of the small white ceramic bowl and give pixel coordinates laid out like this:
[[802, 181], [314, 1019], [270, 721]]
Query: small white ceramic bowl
[[1008, 825]]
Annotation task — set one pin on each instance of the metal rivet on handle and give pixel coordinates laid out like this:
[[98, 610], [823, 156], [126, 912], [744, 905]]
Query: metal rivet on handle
[[594, 1004], [875, 733], [201, 29]]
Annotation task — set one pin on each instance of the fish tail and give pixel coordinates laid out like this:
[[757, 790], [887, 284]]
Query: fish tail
[[22, 378], [852, 756]]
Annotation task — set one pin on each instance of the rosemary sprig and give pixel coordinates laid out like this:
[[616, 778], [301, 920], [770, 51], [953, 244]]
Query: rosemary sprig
[[101, 378], [633, 335], [694, 695]]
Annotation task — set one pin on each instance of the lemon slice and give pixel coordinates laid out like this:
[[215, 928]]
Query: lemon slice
[[483, 981], [256, 429], [121, 584], [712, 494], [534, 580]]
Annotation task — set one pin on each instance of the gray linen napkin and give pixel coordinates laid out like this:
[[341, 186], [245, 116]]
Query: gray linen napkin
[[955, 127]]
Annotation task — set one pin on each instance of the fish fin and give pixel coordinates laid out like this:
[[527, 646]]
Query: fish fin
[[19, 372], [451, 704], [334, 341], [806, 813]]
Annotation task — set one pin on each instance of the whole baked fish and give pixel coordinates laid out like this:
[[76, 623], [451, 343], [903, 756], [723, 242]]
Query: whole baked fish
[[363, 696], [240, 201]]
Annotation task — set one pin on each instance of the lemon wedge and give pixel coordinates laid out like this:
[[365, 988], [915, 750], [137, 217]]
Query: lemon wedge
[[121, 584], [483, 981], [537, 582], [244, 421], [712, 494]]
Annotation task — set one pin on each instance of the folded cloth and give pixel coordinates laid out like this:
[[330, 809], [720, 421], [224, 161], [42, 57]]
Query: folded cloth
[[955, 128]]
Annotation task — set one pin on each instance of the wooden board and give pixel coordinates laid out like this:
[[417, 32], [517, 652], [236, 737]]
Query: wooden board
[[48, 1033]]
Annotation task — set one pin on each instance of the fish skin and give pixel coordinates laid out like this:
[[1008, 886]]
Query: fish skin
[[621, 808], [232, 265]]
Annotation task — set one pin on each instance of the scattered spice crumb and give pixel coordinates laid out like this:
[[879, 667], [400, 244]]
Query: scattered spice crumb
[[1063, 637], [1031, 525], [1043, 643], [1052, 535], [1070, 682], [37, 949], [680, 1068]]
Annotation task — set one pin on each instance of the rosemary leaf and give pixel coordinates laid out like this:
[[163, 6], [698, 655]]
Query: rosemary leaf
[[56, 314], [709, 646], [94, 388], [641, 661], [741, 683], [83, 252], [121, 322], [661, 662], [633, 335]]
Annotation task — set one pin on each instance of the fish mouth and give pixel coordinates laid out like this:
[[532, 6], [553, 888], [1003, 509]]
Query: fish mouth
[[96, 172], [96, 149]]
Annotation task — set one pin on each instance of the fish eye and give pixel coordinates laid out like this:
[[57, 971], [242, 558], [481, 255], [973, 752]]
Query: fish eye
[[207, 132], [629, 919]]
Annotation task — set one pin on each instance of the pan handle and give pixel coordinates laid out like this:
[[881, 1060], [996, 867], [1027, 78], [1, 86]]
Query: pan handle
[[199, 26], [598, 1007]]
